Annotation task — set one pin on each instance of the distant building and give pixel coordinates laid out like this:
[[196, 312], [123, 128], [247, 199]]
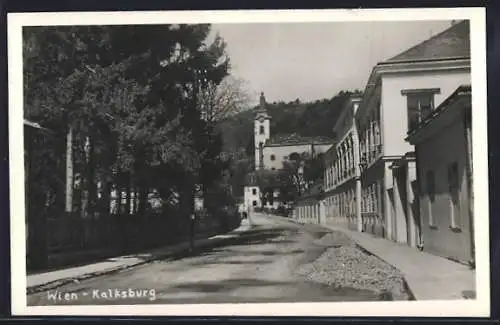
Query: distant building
[[443, 147], [251, 195], [272, 151], [342, 182], [399, 93], [262, 131]]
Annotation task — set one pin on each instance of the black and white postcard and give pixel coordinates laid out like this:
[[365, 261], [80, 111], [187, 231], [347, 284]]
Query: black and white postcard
[[269, 163]]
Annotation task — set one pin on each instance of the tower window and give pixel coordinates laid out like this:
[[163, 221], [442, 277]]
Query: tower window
[[254, 191], [261, 131], [261, 155], [273, 157]]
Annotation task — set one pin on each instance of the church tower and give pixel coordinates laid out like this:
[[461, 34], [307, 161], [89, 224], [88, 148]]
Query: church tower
[[262, 131]]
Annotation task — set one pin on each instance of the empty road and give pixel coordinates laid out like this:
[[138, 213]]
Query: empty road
[[258, 266]]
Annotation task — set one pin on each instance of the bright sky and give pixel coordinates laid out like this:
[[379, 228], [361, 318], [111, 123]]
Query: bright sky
[[312, 61]]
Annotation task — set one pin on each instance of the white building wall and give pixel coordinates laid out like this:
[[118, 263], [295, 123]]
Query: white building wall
[[281, 152], [394, 122], [435, 155], [252, 197]]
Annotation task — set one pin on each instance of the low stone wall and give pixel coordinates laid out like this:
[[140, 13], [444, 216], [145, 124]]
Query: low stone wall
[[309, 210]]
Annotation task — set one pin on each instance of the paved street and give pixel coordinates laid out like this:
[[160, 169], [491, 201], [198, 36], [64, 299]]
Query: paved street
[[255, 267]]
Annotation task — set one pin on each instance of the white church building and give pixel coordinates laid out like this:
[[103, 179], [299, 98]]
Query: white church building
[[272, 150]]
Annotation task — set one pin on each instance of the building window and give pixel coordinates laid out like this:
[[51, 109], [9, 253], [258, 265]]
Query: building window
[[261, 130], [273, 157], [254, 191], [261, 154], [254, 203], [431, 193], [420, 102], [272, 168], [453, 188]]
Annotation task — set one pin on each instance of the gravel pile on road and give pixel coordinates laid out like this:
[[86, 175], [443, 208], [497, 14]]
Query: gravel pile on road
[[334, 239], [349, 267]]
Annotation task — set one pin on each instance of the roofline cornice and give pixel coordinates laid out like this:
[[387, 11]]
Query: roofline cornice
[[414, 66], [449, 58], [349, 106]]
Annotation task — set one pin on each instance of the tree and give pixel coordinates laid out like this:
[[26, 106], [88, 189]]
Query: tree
[[300, 171], [267, 181], [219, 101], [314, 168], [241, 166], [292, 174], [133, 108]]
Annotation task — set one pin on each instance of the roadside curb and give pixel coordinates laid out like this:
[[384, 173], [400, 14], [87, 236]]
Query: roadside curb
[[168, 255], [406, 286]]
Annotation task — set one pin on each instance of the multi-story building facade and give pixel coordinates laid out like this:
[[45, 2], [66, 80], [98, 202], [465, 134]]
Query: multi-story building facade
[[342, 185], [443, 147], [399, 91]]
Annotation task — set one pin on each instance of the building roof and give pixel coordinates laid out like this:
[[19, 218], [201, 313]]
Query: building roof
[[296, 139], [453, 42], [251, 179], [32, 124], [461, 97], [37, 126]]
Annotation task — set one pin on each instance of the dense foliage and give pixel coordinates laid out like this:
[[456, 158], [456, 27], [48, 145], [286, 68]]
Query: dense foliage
[[132, 99]]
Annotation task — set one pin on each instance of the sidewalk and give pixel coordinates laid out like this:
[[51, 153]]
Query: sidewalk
[[428, 276], [48, 280]]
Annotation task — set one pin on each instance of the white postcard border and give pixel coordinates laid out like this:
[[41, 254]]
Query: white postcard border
[[461, 308]]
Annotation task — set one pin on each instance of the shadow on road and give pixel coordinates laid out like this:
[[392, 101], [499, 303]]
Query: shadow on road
[[256, 236], [252, 252], [228, 262], [229, 285], [257, 290]]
